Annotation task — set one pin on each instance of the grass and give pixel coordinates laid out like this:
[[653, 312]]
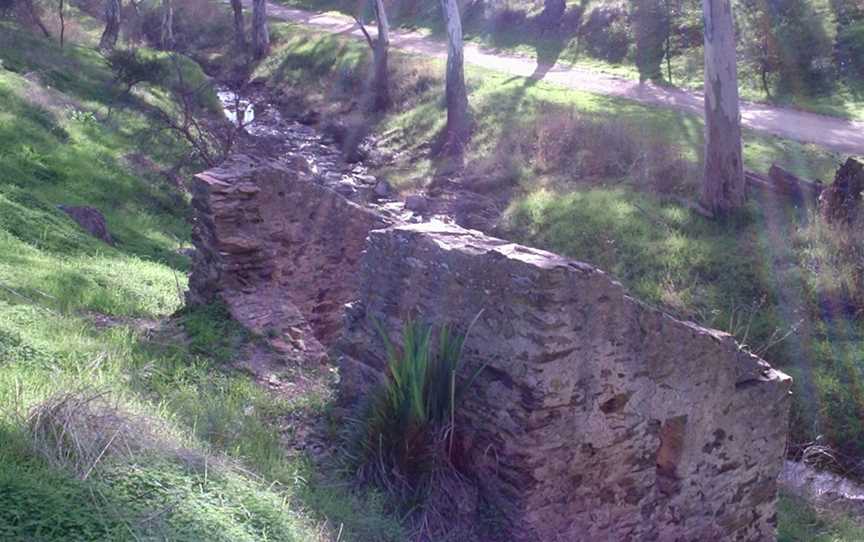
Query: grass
[[800, 523], [238, 485], [316, 61], [219, 469], [407, 424]]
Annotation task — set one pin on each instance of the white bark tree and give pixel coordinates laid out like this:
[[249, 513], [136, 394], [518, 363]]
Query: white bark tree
[[458, 115], [260, 34], [724, 188], [167, 24], [379, 84]]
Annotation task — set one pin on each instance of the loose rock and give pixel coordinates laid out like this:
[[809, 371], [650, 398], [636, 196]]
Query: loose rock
[[417, 204], [91, 220], [382, 189]]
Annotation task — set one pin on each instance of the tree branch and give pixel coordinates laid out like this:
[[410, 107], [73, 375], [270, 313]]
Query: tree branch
[[365, 33]]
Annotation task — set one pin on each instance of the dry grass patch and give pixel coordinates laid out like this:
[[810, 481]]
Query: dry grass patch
[[79, 431], [575, 146]]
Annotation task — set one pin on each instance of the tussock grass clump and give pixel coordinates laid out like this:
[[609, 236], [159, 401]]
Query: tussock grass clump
[[406, 435], [833, 260], [582, 147], [78, 431]]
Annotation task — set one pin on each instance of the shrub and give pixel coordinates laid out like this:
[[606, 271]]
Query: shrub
[[406, 430], [833, 262], [850, 50], [607, 32], [581, 147], [131, 67], [805, 48]]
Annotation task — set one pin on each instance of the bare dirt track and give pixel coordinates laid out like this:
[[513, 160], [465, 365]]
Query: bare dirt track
[[832, 133]]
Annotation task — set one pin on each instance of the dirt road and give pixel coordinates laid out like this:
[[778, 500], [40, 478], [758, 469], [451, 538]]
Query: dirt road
[[832, 133]]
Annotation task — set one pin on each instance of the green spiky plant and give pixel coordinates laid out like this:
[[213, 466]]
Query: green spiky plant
[[407, 429]]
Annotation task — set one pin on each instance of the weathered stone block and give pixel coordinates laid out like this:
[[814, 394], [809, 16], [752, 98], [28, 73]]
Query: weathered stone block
[[597, 418], [281, 250]]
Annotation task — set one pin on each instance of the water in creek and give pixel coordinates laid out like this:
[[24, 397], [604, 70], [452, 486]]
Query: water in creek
[[238, 109], [823, 489]]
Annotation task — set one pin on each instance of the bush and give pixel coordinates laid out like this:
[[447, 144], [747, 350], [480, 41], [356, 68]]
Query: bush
[[131, 67], [406, 430], [805, 49], [850, 51], [581, 147], [607, 33], [197, 26]]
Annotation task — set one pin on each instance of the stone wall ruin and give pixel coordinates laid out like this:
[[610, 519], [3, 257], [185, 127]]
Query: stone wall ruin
[[283, 252], [597, 417]]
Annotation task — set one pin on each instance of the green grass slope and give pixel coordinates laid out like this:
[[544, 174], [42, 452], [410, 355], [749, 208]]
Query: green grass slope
[[202, 456]]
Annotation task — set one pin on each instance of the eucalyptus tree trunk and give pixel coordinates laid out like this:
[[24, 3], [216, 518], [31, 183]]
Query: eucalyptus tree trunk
[[380, 81], [61, 11], [458, 116], [239, 31], [260, 34], [112, 25], [724, 188], [36, 19], [553, 11], [167, 24]]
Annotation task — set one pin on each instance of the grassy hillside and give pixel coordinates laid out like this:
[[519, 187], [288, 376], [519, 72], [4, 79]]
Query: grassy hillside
[[112, 425]]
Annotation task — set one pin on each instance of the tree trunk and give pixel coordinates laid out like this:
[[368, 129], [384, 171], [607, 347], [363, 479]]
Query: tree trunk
[[33, 11], [239, 30], [380, 82], [260, 34], [458, 116], [167, 24], [724, 188], [61, 12], [112, 25], [553, 11]]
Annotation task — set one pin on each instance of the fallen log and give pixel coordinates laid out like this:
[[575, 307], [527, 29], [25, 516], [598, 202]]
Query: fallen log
[[782, 182]]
